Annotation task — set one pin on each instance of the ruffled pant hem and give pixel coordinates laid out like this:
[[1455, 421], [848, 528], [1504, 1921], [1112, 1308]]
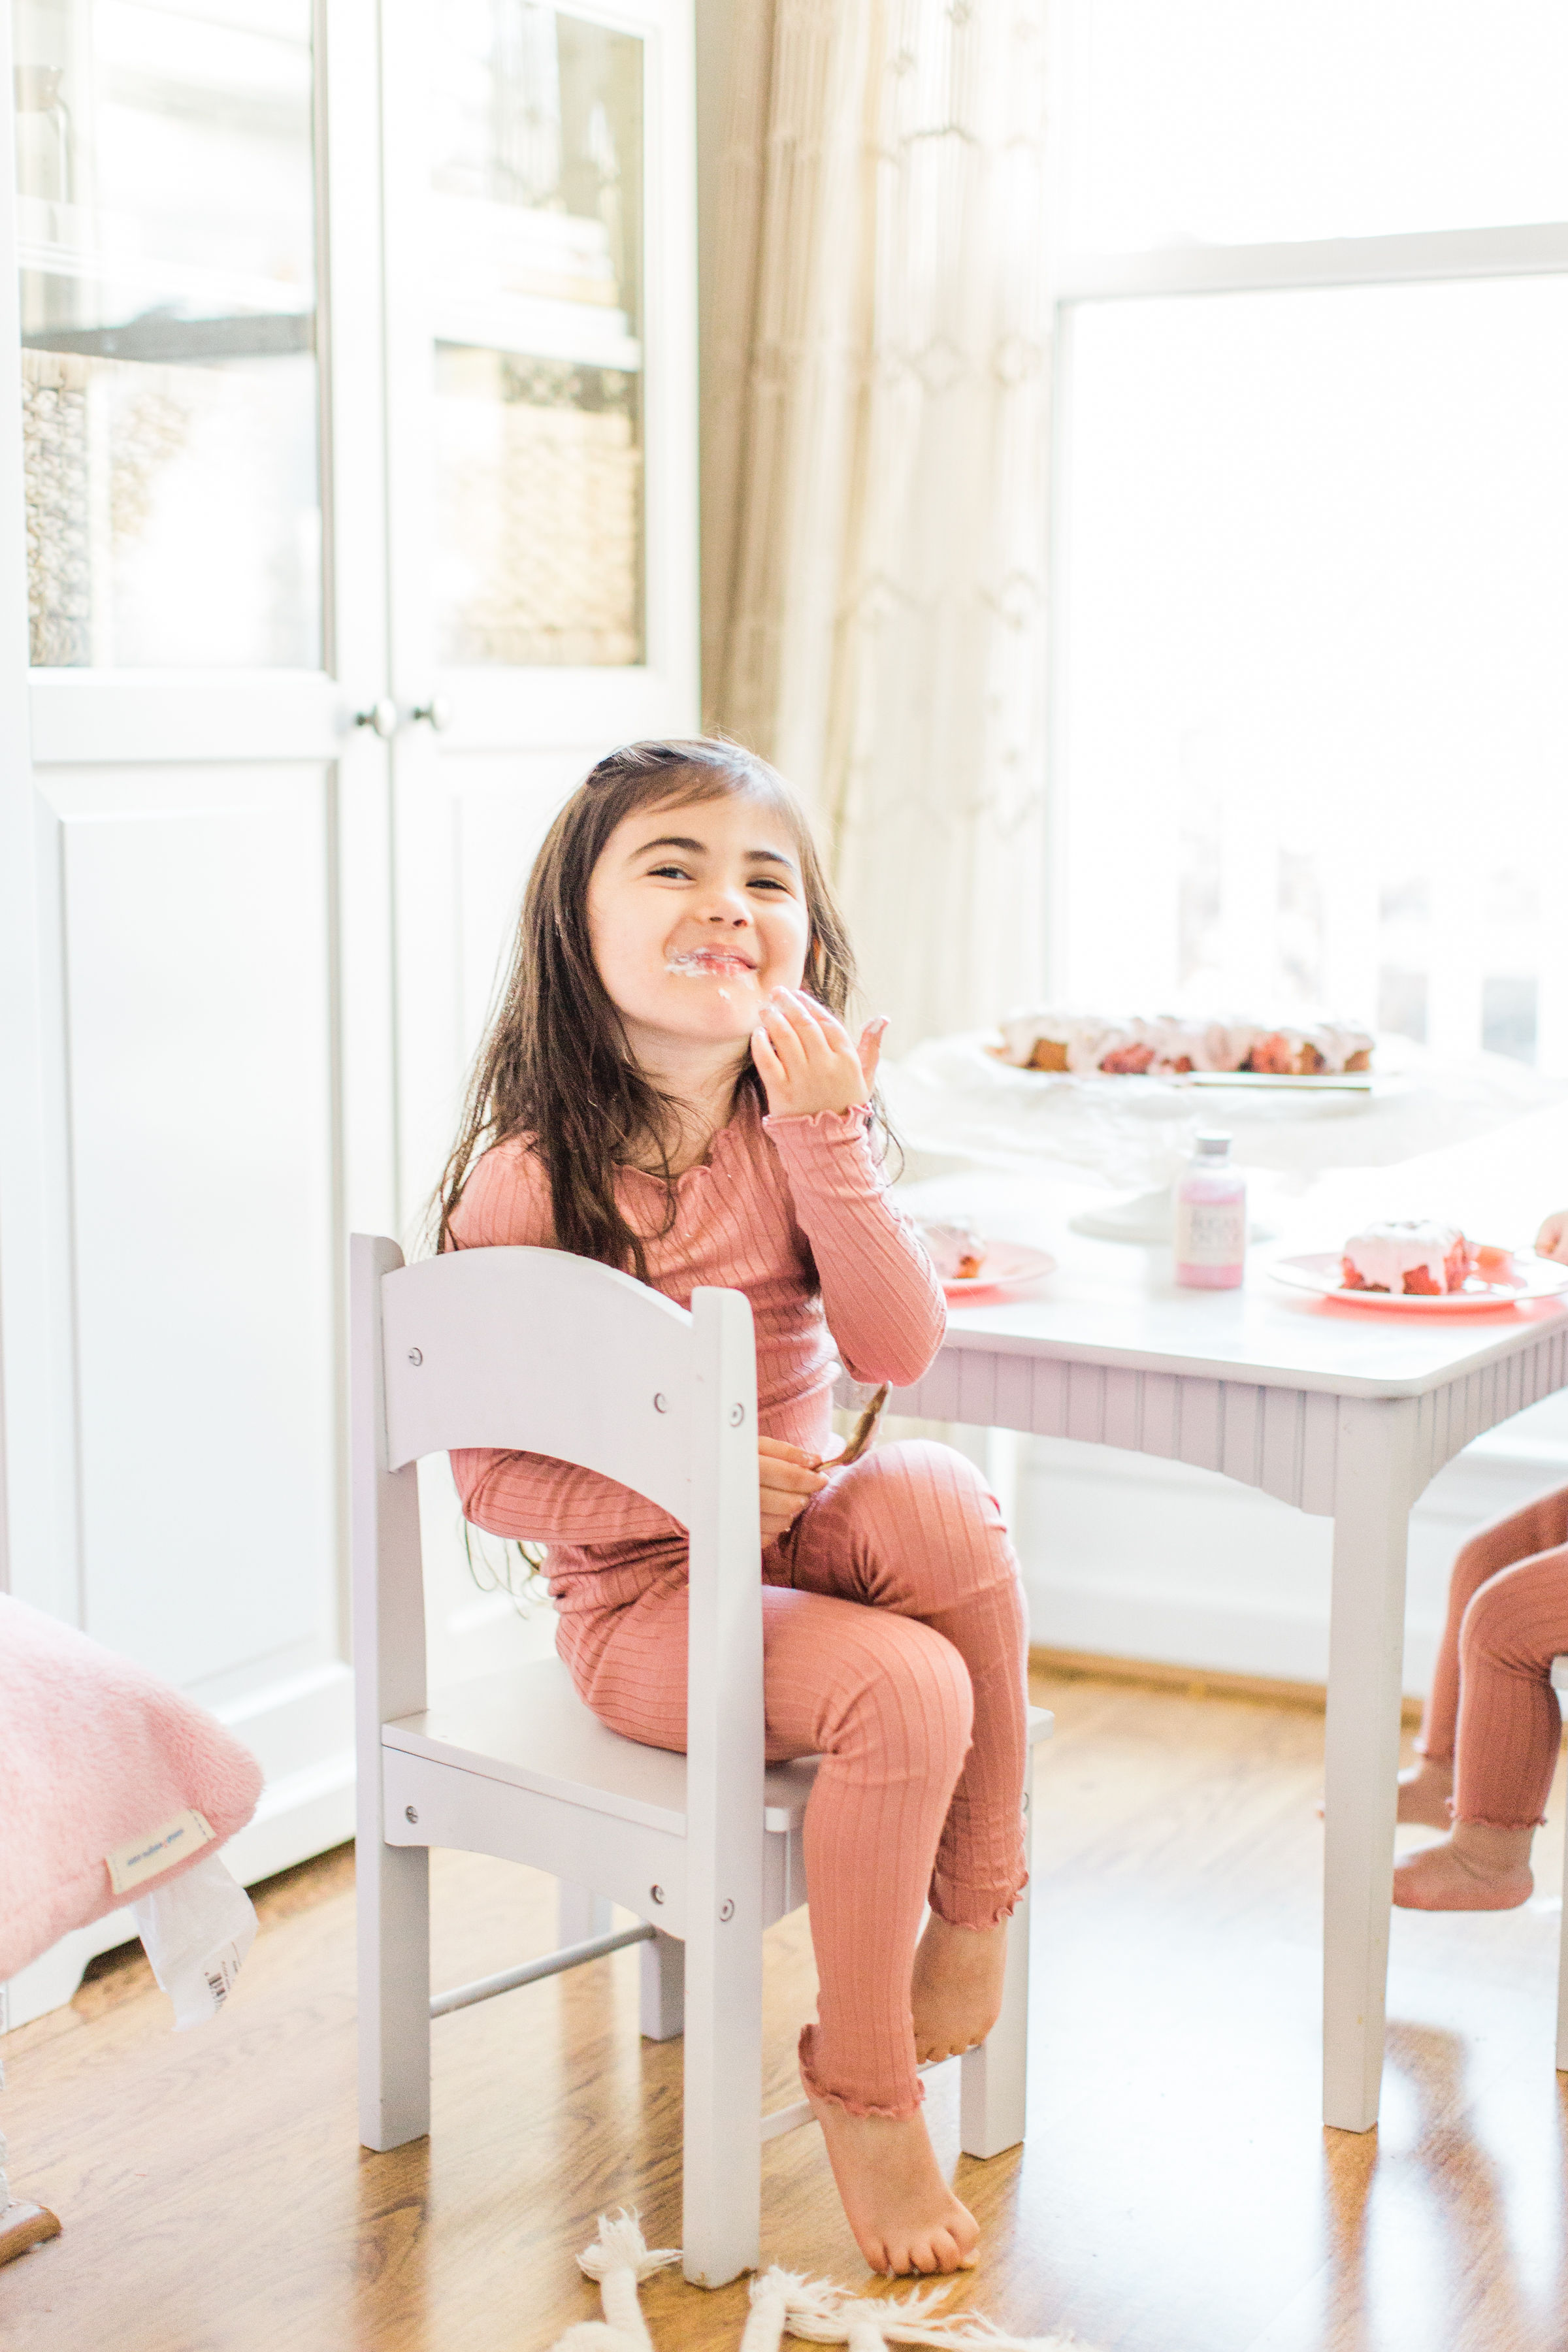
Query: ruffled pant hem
[[972, 1907], [850, 2105]]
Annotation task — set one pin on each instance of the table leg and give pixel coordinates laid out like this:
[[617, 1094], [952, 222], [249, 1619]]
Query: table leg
[[1372, 1494], [1003, 1448]]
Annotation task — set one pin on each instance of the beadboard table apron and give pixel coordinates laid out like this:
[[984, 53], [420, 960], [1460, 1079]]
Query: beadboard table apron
[[1342, 1413]]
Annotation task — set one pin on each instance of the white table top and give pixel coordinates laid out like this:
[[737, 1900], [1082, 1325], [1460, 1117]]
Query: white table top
[[1118, 1303]]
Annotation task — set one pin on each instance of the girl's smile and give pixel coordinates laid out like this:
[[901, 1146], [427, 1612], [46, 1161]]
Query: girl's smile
[[697, 913], [701, 963]]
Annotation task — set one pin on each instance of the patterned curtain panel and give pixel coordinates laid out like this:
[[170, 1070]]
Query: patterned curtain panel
[[875, 472]]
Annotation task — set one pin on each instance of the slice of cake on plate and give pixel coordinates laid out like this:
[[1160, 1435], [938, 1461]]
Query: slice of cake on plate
[[955, 1249], [1415, 1258]]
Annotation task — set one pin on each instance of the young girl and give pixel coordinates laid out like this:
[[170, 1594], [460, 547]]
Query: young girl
[[667, 1087], [1493, 1726]]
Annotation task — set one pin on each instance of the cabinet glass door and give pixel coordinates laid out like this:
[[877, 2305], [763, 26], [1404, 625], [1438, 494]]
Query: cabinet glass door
[[167, 245], [536, 254]]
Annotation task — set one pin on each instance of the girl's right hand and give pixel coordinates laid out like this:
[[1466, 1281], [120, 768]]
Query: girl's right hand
[[1552, 1241], [787, 1479]]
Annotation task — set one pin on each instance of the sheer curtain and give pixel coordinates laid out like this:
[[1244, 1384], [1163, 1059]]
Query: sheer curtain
[[875, 470]]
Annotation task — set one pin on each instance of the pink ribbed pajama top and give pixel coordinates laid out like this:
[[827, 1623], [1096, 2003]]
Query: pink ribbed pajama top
[[893, 1622]]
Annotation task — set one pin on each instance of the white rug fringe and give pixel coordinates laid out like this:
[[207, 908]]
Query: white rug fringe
[[783, 2302], [821, 2313], [619, 2259]]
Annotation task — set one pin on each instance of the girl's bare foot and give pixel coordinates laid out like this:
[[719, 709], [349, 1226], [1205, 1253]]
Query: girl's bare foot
[[1424, 1793], [956, 1987], [904, 2216], [1476, 1869]]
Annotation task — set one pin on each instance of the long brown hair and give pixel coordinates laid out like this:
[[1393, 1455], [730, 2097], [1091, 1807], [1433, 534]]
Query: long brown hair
[[555, 1065]]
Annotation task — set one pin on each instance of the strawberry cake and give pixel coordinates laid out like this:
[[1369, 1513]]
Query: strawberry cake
[[1423, 1260]]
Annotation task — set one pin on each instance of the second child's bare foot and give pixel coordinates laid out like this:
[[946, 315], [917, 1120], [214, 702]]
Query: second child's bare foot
[[904, 2216], [1477, 1869], [956, 1987], [1424, 1793]]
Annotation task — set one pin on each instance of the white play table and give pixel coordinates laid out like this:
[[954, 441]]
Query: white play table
[[1342, 1413]]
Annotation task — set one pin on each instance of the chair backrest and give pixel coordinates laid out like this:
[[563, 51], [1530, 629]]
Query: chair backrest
[[535, 1351], [543, 1353]]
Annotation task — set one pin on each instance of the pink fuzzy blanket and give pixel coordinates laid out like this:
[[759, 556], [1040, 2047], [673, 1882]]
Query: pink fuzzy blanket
[[95, 1753]]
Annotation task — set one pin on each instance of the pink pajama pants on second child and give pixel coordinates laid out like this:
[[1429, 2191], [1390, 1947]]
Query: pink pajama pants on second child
[[894, 1647], [1493, 1711]]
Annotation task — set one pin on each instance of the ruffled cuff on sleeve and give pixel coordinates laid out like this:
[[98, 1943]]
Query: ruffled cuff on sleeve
[[822, 1139]]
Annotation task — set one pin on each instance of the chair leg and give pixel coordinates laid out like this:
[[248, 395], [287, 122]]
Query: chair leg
[[580, 1913], [393, 1890], [721, 2152], [663, 1965], [1562, 1969], [994, 2079]]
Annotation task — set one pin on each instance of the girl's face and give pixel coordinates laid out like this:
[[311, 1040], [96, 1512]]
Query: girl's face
[[696, 913]]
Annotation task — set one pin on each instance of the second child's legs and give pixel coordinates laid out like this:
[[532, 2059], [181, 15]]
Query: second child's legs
[[1541, 1526], [1505, 1744]]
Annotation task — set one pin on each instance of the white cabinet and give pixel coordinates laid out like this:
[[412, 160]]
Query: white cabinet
[[347, 512]]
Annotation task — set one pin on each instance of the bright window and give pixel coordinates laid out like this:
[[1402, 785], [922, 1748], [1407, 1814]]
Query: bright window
[[1312, 537], [1238, 121]]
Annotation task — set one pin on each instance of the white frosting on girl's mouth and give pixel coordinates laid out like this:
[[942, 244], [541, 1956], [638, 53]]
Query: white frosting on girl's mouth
[[709, 963]]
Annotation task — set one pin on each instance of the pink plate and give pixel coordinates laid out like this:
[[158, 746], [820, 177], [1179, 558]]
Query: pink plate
[[1532, 1277], [1008, 1264]]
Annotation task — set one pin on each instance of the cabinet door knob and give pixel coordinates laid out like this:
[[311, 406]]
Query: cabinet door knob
[[438, 711], [382, 715]]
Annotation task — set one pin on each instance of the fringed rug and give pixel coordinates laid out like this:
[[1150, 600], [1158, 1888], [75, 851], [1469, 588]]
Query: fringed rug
[[783, 2302]]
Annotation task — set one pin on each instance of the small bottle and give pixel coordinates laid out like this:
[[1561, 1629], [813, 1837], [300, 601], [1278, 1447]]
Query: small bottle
[[1211, 1219]]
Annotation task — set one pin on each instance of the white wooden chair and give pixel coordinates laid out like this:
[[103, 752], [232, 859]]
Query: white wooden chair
[[1559, 1681], [536, 1350]]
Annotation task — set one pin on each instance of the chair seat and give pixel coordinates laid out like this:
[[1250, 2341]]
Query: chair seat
[[526, 1725]]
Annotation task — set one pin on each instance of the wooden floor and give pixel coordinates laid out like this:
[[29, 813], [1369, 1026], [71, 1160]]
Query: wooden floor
[[1176, 2193]]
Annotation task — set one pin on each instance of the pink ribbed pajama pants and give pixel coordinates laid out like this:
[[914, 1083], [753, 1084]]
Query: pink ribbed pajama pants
[[1493, 1710], [894, 1643]]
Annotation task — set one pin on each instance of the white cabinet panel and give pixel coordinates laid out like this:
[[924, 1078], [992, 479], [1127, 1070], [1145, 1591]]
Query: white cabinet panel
[[501, 811], [468, 824], [198, 1006]]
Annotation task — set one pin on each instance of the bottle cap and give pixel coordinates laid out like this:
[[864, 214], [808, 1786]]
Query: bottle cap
[[1213, 1147]]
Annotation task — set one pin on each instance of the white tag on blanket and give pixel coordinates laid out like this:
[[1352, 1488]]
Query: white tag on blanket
[[197, 1931], [140, 1858]]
